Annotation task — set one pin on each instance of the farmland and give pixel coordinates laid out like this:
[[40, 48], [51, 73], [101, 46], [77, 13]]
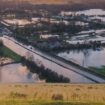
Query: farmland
[[52, 94]]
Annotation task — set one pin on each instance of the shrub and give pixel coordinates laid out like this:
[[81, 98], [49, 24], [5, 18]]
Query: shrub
[[17, 95], [57, 97]]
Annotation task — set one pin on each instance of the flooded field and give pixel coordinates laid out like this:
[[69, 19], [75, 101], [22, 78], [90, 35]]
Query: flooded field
[[89, 12], [16, 73], [86, 58]]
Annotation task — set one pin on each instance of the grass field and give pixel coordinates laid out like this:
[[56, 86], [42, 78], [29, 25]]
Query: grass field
[[9, 53], [46, 103], [100, 70], [52, 94]]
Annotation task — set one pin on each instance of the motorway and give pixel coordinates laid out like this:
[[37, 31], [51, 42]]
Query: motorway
[[73, 73]]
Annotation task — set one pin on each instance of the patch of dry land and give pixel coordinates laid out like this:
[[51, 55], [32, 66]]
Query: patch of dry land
[[52, 94], [20, 22], [5, 60]]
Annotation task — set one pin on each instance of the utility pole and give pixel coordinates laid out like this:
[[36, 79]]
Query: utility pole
[[85, 56]]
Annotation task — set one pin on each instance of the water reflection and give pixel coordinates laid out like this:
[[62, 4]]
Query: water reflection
[[86, 58], [16, 73]]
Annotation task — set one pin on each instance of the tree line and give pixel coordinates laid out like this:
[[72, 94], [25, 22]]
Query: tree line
[[45, 73]]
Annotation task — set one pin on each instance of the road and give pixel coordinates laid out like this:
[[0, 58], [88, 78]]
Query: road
[[74, 74]]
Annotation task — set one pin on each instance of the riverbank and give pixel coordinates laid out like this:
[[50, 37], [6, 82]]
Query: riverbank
[[52, 94]]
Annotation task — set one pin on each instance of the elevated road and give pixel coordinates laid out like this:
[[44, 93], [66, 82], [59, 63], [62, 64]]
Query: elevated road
[[75, 74]]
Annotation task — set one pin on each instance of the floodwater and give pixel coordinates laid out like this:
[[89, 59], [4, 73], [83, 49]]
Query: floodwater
[[16, 73], [89, 12], [69, 73], [86, 57]]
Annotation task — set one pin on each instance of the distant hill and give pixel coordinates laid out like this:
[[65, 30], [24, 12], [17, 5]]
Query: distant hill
[[73, 3], [61, 1], [62, 4]]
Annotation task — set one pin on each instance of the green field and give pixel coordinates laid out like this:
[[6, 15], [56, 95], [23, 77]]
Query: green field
[[100, 70], [46, 103], [10, 54]]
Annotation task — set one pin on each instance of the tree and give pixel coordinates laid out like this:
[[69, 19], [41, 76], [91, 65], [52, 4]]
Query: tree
[[1, 43]]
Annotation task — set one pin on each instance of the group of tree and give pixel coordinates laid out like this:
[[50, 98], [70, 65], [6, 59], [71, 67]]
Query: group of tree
[[45, 73]]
